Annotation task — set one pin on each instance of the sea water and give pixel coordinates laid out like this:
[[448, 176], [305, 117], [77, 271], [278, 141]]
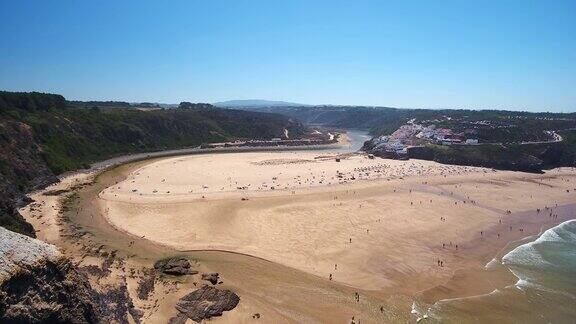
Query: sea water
[[548, 263], [545, 291]]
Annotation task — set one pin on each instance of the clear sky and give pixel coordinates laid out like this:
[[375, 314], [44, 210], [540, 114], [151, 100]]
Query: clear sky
[[502, 54]]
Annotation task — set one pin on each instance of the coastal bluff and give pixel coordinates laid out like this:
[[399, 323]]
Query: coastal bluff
[[38, 284]]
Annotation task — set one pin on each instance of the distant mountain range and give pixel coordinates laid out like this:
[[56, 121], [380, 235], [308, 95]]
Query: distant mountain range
[[255, 103]]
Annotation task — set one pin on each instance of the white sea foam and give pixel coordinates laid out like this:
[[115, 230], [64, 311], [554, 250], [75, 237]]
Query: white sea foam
[[419, 313], [528, 255], [414, 308], [565, 232], [493, 263], [527, 260], [449, 300], [525, 255]]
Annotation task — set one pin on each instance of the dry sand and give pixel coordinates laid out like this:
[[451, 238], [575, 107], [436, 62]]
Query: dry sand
[[402, 217], [381, 224]]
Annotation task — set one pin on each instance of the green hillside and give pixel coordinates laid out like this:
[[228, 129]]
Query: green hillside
[[42, 135]]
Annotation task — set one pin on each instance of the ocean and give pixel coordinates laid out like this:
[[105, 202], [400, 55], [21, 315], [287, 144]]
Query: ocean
[[545, 291]]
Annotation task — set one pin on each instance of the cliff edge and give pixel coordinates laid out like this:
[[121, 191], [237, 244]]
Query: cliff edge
[[37, 284]]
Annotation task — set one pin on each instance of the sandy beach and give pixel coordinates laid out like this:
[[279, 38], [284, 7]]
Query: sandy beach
[[394, 231], [370, 224]]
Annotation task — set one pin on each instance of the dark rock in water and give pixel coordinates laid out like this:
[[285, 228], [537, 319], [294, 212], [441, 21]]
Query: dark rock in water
[[176, 266], [211, 277], [205, 303]]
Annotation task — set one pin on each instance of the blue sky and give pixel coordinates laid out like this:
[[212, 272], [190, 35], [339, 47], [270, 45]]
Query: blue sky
[[518, 55]]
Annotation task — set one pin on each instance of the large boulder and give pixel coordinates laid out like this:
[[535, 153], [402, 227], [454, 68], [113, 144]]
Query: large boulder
[[176, 266], [205, 303]]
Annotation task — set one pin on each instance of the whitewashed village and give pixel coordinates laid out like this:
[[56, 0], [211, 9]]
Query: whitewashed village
[[412, 134]]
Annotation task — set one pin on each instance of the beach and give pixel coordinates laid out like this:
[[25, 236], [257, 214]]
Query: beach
[[298, 234]]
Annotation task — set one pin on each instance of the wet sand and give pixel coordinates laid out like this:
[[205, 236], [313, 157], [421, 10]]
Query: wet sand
[[287, 241]]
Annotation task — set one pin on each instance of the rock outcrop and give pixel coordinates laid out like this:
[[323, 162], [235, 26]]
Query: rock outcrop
[[205, 303], [497, 157], [146, 284], [211, 277], [176, 266], [37, 284]]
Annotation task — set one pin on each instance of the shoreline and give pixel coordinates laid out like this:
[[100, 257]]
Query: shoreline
[[496, 270], [130, 168]]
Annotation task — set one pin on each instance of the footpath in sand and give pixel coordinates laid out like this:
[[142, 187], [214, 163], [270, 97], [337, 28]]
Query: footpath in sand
[[372, 224]]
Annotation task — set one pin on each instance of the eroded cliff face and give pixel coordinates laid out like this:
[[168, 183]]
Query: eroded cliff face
[[22, 168], [500, 159], [37, 284], [514, 157]]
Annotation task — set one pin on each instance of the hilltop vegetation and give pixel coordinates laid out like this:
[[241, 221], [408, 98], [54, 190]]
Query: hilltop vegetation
[[42, 135], [491, 125], [517, 157], [512, 140], [254, 103], [72, 137], [375, 120]]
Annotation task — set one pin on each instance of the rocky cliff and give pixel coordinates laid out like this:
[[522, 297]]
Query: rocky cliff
[[514, 157], [38, 285], [500, 160], [22, 168]]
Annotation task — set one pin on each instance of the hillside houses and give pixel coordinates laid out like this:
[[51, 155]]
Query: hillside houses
[[396, 145]]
